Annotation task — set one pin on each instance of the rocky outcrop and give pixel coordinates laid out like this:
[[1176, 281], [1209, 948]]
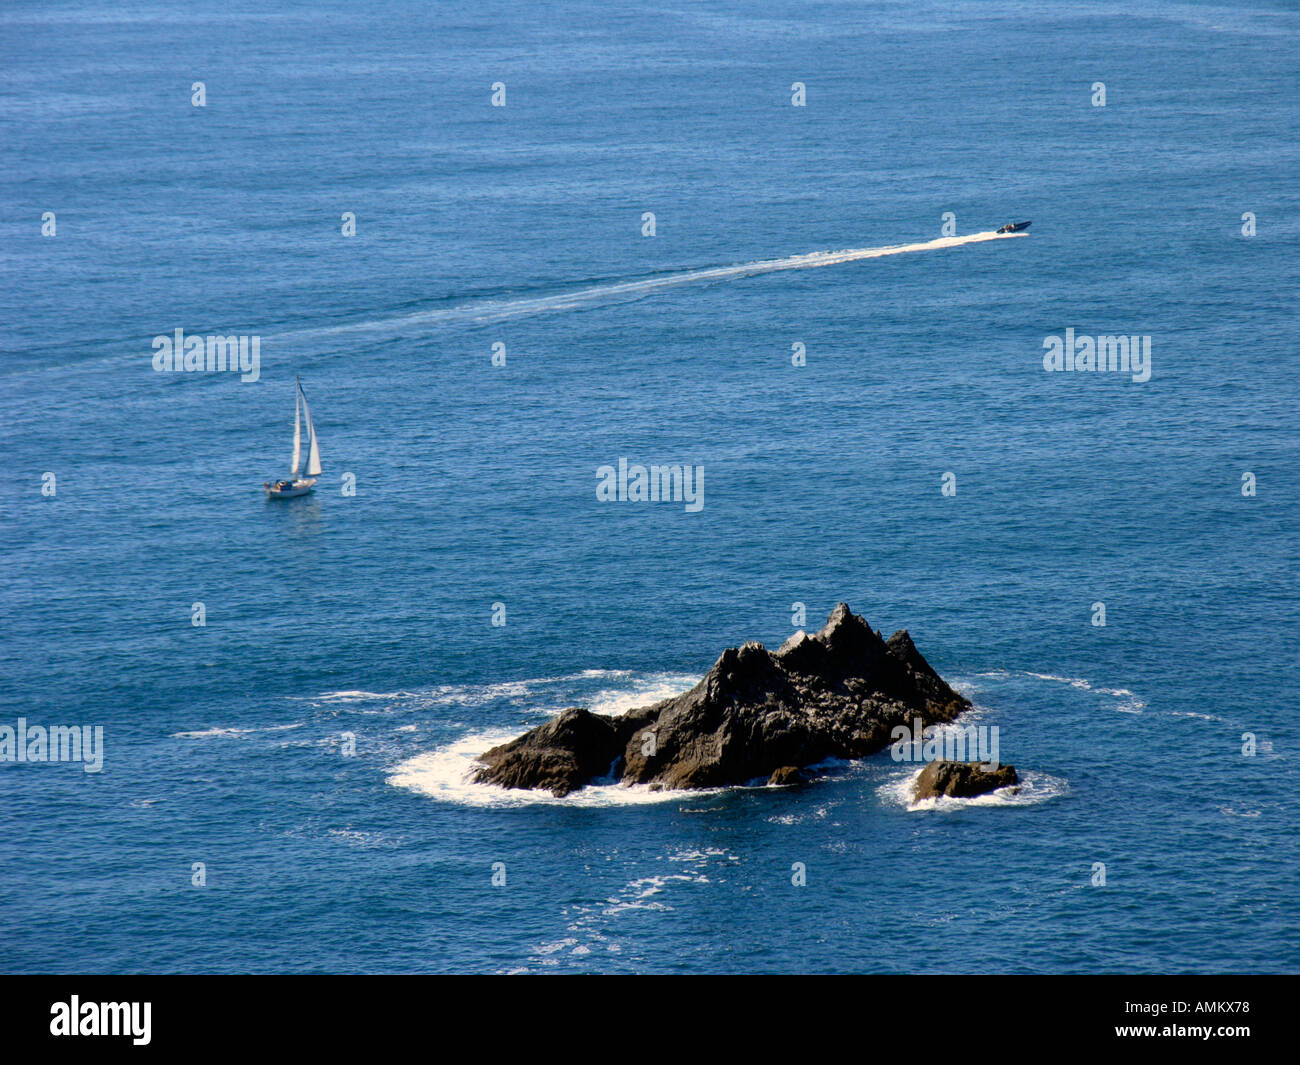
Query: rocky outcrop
[[835, 694], [961, 780], [560, 756]]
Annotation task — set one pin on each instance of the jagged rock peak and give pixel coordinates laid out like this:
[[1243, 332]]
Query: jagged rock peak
[[837, 694]]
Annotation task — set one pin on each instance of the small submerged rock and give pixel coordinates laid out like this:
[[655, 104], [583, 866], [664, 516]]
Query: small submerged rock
[[756, 714], [961, 780]]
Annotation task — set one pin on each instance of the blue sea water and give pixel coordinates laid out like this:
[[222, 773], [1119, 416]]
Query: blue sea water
[[475, 485]]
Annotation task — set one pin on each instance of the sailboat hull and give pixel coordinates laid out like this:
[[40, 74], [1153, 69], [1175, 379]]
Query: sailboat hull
[[287, 490]]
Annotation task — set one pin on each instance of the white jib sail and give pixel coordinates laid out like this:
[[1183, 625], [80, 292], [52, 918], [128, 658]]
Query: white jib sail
[[313, 449]]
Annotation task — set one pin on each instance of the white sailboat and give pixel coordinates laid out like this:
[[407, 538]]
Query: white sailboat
[[295, 485]]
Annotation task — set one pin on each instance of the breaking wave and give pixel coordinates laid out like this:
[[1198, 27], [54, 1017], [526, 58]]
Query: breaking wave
[[445, 774], [1129, 702], [231, 733], [1034, 788]]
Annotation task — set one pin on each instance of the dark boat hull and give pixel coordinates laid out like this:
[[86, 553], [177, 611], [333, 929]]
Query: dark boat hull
[[1014, 227]]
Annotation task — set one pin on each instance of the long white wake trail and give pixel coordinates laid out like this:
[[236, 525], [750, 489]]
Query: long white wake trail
[[493, 310]]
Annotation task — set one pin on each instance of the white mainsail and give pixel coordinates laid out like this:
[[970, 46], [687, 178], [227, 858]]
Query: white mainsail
[[297, 432], [313, 448]]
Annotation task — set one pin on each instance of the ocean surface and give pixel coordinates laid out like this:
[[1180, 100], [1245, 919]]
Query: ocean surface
[[370, 615]]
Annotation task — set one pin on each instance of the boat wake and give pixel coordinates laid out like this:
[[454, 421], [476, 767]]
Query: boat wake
[[496, 310]]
